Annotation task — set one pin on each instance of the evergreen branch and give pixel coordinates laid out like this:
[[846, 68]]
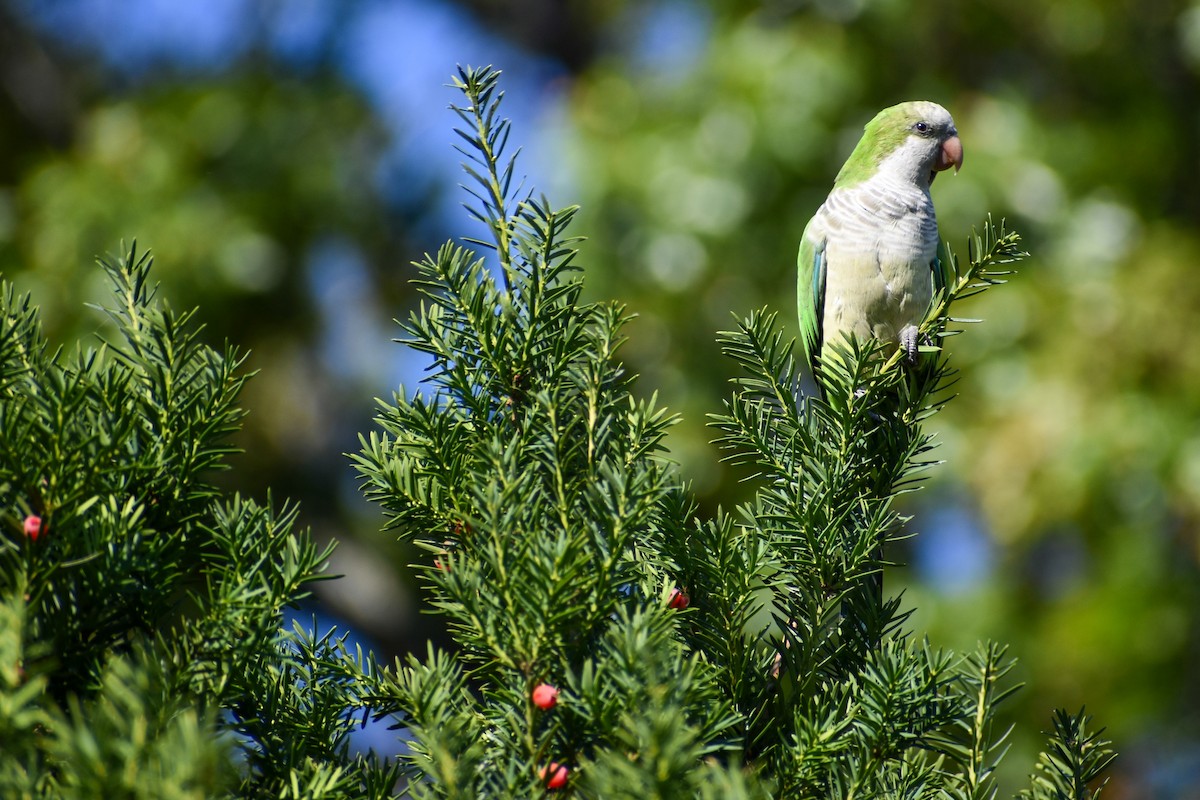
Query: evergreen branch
[[1073, 761], [969, 741], [22, 348], [568, 552], [989, 256], [487, 137], [186, 389]]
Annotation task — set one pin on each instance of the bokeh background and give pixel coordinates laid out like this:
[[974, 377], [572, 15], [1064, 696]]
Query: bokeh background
[[286, 160]]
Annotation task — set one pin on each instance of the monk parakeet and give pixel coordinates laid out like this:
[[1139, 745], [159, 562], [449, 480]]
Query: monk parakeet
[[868, 259]]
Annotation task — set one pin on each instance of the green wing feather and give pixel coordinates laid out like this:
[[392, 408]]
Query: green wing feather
[[940, 278], [810, 293]]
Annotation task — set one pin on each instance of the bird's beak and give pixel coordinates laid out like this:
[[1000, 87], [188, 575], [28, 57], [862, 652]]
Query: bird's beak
[[951, 155]]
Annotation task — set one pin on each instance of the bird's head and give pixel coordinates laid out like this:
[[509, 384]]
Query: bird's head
[[914, 140]]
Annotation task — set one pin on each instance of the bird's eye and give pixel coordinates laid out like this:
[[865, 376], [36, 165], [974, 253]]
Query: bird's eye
[[922, 127]]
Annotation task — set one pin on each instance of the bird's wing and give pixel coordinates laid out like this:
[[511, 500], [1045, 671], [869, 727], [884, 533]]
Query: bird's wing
[[810, 290], [940, 277]]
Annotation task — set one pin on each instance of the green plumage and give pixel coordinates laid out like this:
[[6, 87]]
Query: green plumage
[[881, 136]]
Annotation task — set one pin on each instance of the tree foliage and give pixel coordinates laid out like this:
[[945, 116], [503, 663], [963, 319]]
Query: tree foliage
[[143, 648], [1066, 524], [748, 653], [698, 138], [739, 655]]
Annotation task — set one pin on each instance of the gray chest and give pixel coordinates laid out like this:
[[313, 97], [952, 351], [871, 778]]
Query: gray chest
[[880, 242]]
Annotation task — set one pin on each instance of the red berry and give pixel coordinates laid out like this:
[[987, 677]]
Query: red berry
[[555, 775], [33, 527], [545, 696], [678, 599], [441, 566]]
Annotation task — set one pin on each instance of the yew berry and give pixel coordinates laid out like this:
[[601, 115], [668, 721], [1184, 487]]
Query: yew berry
[[678, 599], [555, 775], [33, 527], [545, 696]]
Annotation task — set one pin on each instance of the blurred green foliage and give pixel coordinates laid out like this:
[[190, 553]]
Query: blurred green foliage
[[1074, 446], [233, 184]]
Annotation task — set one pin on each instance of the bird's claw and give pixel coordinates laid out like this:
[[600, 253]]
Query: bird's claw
[[908, 340]]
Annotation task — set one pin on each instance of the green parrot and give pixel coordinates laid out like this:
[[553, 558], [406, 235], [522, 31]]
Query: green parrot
[[868, 258]]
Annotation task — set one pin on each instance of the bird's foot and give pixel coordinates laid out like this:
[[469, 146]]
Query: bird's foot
[[908, 340]]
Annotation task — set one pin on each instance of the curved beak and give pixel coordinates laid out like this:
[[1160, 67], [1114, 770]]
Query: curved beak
[[951, 155]]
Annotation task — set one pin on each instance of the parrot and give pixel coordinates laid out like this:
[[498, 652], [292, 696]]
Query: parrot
[[868, 258]]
